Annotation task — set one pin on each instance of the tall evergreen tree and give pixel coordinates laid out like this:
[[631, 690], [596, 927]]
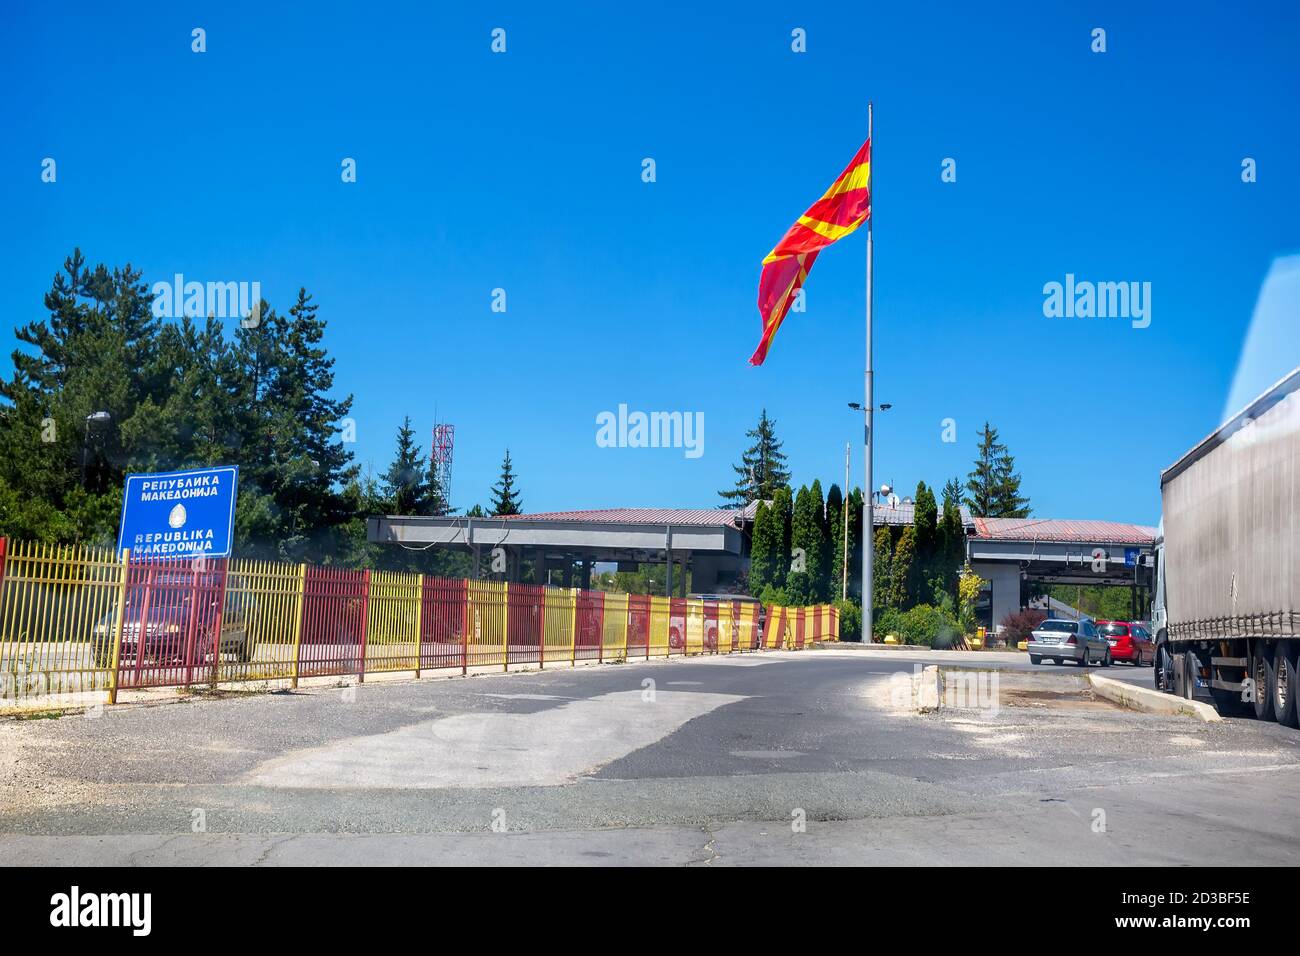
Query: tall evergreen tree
[[856, 514], [803, 579], [435, 502], [900, 569], [882, 570], [927, 562], [762, 466], [403, 483], [505, 499], [783, 506], [767, 560], [993, 486], [952, 535], [820, 569], [835, 535], [1007, 500]]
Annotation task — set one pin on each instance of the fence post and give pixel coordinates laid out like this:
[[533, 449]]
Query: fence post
[[419, 622], [365, 625], [573, 631], [541, 630], [505, 626], [297, 627], [216, 624], [117, 626], [464, 631], [627, 621]]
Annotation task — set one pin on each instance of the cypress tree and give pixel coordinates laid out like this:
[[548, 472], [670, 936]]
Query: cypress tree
[[767, 562], [882, 573], [952, 535], [835, 525], [926, 562], [900, 570], [805, 541]]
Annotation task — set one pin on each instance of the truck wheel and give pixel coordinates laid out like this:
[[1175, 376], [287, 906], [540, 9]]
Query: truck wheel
[[1284, 686], [1261, 670], [1187, 680], [1164, 666]]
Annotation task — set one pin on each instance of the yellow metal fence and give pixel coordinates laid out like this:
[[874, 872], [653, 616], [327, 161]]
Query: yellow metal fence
[[64, 610]]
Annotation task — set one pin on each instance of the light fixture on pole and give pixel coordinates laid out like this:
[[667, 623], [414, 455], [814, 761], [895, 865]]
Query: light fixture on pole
[[94, 418]]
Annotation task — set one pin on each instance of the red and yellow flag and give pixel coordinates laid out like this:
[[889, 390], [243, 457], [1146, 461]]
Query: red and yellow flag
[[844, 207]]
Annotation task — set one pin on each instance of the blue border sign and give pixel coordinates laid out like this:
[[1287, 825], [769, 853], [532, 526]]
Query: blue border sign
[[179, 514]]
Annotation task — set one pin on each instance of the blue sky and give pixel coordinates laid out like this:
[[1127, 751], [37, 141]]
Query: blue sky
[[522, 171]]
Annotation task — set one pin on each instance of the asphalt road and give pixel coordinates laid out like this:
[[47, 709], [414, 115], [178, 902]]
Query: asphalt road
[[775, 758]]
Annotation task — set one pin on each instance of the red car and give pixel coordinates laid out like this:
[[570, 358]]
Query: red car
[[1129, 642]]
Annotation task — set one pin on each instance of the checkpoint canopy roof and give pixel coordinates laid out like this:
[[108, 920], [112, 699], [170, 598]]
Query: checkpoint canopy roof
[[611, 534], [1063, 551]]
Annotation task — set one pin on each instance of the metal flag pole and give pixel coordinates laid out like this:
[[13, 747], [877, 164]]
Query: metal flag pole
[[868, 406], [848, 478]]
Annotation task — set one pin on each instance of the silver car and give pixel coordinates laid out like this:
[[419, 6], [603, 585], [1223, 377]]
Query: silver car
[[1059, 641]]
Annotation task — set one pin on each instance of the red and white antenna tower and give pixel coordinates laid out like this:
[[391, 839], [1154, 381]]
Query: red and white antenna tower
[[444, 441]]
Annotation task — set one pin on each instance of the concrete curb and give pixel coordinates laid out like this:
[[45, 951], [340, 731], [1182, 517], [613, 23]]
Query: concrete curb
[[1151, 701], [929, 696]]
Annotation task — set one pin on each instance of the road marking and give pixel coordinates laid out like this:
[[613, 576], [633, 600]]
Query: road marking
[[494, 749], [767, 754]]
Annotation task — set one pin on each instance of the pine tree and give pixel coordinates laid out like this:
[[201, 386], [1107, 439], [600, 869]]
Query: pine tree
[[993, 486], [403, 483], [435, 502], [505, 500], [1007, 500], [305, 467], [762, 466]]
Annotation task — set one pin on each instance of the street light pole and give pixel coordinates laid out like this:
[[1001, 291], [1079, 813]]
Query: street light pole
[[95, 418]]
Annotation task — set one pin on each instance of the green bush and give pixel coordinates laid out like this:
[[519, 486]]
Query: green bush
[[885, 622], [927, 625], [773, 595], [850, 620]]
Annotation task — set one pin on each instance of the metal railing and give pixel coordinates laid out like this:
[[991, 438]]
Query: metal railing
[[76, 620]]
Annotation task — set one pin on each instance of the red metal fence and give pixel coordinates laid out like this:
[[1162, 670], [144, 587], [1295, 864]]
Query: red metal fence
[[82, 620]]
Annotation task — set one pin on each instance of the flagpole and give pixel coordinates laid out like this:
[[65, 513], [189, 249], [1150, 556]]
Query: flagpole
[[848, 485], [868, 406]]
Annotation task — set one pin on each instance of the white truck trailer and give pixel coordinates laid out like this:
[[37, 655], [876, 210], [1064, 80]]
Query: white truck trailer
[[1226, 604]]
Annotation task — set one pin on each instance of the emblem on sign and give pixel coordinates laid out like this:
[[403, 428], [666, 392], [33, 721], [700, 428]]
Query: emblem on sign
[[177, 517]]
